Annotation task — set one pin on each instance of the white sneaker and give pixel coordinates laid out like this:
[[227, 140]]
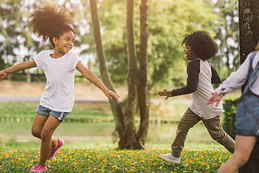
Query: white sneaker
[[170, 158]]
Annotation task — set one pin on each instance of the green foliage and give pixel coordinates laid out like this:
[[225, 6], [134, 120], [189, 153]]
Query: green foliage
[[227, 37], [229, 119], [167, 26], [110, 160], [168, 22]]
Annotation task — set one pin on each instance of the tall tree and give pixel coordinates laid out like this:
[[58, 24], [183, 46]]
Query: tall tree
[[125, 121], [249, 37], [143, 84], [115, 106], [128, 138]]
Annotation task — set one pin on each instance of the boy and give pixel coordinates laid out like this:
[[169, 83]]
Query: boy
[[201, 75]]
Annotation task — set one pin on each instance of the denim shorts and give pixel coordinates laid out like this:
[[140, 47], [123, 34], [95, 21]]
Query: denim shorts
[[46, 111], [247, 114]]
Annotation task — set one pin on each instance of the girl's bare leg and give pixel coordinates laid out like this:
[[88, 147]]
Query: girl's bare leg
[[46, 135], [37, 126], [243, 148]]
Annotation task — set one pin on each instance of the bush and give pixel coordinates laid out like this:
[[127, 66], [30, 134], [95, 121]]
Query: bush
[[229, 116]]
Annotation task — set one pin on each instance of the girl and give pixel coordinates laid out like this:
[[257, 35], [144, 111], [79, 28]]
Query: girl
[[247, 111], [59, 66], [199, 48]]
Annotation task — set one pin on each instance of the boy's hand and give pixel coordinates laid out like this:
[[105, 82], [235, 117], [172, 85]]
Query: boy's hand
[[165, 93], [2, 75], [110, 94], [214, 98]]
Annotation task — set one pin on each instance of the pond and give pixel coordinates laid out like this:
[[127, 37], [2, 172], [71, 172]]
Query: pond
[[81, 134]]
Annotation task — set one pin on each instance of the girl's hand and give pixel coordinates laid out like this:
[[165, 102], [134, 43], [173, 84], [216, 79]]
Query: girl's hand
[[165, 93], [110, 94], [2, 75], [214, 98]]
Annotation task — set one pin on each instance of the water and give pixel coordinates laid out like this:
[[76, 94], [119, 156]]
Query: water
[[98, 133]]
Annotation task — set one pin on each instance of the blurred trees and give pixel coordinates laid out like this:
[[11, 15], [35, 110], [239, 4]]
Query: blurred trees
[[227, 37], [169, 21]]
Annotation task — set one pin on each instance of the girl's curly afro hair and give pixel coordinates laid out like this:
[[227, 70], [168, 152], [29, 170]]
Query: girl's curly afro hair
[[201, 44], [49, 21]]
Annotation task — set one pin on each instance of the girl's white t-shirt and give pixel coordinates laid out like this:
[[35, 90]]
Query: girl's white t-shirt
[[59, 90]]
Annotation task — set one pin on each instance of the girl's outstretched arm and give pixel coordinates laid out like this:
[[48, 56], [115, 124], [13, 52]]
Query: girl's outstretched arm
[[18, 67], [2, 75], [215, 97], [94, 79]]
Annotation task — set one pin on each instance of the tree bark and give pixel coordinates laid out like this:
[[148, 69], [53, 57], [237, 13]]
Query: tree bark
[[125, 122], [28, 76], [249, 37], [128, 140], [143, 85], [248, 26], [115, 106]]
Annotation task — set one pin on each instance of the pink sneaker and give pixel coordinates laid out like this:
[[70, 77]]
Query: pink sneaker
[[53, 152], [39, 168]]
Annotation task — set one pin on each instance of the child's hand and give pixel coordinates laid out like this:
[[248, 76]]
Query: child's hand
[[110, 94], [165, 93], [2, 75], [214, 98]]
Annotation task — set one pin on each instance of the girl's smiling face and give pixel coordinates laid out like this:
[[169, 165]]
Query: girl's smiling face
[[64, 43], [188, 53]]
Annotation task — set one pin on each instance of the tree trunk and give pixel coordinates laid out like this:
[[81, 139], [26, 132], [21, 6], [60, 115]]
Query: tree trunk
[[249, 37], [115, 106], [28, 76], [143, 89], [248, 26], [125, 123], [129, 139]]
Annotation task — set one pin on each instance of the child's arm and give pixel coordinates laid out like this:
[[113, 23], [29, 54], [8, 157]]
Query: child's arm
[[2, 75], [215, 97], [18, 67], [165, 93], [215, 78], [94, 79]]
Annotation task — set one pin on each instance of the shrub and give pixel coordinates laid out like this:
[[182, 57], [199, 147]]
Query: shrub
[[229, 116]]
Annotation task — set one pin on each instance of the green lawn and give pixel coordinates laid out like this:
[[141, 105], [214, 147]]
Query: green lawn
[[23, 111]]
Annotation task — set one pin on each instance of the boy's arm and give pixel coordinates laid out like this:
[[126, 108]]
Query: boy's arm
[[193, 70], [94, 79], [19, 67], [215, 78]]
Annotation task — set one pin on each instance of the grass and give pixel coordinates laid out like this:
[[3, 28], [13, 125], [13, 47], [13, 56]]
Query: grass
[[195, 158], [97, 155], [23, 111], [91, 112], [101, 156]]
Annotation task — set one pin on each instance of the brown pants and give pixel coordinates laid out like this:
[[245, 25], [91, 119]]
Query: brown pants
[[213, 126]]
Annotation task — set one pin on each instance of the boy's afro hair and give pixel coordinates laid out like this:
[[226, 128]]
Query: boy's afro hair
[[48, 20], [201, 44]]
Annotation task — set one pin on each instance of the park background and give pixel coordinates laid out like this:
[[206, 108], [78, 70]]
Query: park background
[[90, 127]]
